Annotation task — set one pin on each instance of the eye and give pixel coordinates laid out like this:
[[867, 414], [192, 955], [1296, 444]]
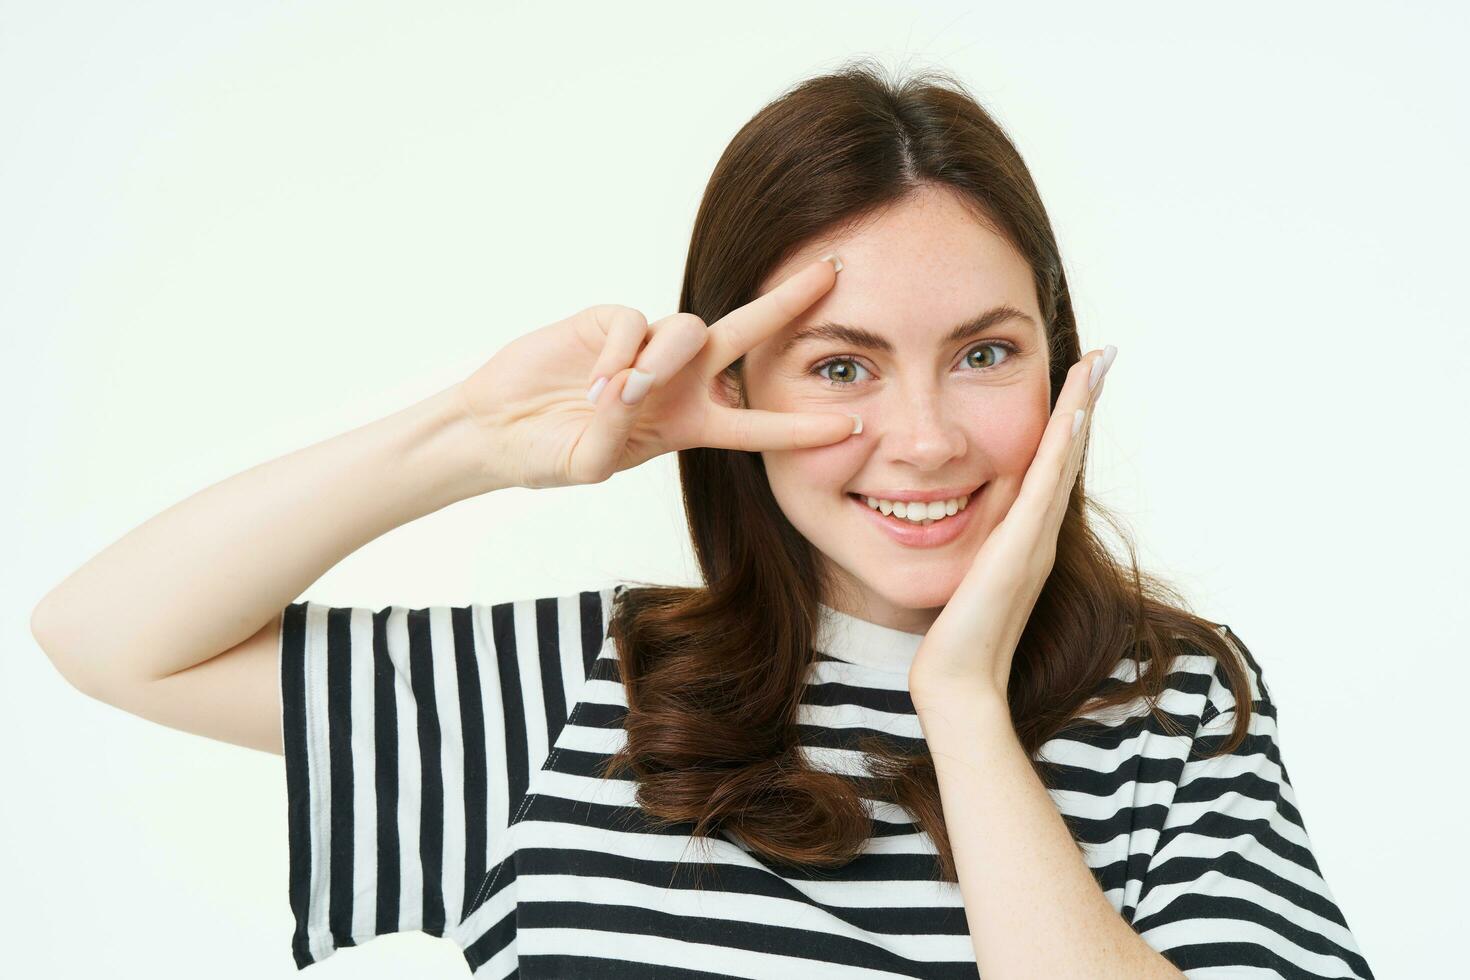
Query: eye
[[832, 382]]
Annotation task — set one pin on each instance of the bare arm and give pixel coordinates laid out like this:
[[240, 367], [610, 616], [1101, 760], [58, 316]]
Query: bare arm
[[218, 567], [179, 620]]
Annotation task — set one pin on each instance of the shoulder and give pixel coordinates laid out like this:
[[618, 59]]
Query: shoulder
[[1198, 682], [1222, 696], [593, 602]]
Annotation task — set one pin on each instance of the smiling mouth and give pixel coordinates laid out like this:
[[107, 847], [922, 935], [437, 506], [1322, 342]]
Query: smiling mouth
[[904, 512]]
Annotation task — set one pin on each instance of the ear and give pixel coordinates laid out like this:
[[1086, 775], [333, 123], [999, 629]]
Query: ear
[[728, 387]]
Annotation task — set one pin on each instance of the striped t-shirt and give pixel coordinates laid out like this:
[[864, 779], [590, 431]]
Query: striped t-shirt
[[442, 770]]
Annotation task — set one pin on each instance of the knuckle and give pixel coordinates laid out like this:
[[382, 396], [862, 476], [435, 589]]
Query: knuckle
[[688, 321], [629, 314], [695, 334], [742, 431], [610, 314]]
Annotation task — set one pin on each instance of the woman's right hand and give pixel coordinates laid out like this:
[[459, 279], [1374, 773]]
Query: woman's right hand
[[531, 399]]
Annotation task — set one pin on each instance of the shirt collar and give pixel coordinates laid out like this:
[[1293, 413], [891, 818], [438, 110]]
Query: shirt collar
[[858, 641]]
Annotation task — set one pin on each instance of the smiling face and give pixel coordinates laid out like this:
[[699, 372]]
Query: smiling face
[[941, 411]]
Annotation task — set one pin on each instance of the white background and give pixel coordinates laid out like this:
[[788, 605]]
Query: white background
[[231, 230]]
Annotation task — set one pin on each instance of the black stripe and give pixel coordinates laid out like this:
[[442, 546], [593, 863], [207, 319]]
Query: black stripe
[[566, 965], [594, 629], [431, 774], [548, 652], [385, 776], [513, 708], [339, 751], [298, 791], [476, 780]]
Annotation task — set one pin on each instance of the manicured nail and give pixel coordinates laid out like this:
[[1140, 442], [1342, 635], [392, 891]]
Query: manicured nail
[[1101, 365], [596, 388], [1077, 417], [836, 262], [857, 423], [636, 386]]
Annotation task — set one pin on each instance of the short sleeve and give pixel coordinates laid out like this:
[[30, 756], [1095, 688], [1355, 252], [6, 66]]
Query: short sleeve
[[1233, 887], [410, 736]]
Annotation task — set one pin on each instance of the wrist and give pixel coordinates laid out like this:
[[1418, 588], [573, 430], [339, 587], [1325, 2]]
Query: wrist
[[953, 699], [453, 449]]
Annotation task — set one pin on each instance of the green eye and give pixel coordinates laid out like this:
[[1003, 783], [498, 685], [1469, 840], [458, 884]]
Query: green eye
[[831, 382]]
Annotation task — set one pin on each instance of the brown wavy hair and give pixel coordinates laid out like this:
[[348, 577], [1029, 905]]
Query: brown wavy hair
[[714, 676]]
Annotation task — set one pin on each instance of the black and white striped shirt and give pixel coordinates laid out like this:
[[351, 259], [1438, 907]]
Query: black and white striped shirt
[[442, 775]]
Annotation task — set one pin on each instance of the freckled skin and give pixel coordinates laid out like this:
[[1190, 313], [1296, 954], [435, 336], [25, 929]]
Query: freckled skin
[[932, 417]]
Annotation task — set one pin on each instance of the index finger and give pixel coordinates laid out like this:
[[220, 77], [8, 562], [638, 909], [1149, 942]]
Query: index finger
[[756, 430], [746, 326], [1047, 485]]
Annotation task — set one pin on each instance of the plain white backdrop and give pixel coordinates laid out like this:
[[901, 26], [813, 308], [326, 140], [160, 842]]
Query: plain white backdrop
[[231, 230]]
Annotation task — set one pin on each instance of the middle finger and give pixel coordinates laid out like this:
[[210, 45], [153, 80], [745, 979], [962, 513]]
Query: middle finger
[[735, 333]]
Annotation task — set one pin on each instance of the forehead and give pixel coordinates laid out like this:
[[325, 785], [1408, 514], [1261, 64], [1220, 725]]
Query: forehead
[[913, 270]]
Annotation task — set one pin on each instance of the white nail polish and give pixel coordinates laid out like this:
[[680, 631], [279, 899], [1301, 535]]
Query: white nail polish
[[836, 262], [857, 423], [1101, 365], [636, 386], [1077, 418], [596, 388]]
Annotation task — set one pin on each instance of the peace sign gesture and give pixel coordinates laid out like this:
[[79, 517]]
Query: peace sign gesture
[[605, 390], [970, 644]]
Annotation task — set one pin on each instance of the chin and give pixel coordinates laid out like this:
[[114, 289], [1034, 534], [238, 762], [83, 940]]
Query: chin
[[935, 588], [935, 593]]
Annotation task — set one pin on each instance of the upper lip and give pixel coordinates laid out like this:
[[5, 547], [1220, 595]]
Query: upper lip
[[923, 496]]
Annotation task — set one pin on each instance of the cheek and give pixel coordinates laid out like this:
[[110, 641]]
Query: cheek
[[1009, 432], [807, 474]]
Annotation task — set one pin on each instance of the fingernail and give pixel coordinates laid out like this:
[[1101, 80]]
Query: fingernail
[[1077, 418], [836, 262], [596, 388], [636, 386], [857, 423], [1101, 365]]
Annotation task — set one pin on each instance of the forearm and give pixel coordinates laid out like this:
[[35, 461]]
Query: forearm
[[1033, 906], [210, 571]]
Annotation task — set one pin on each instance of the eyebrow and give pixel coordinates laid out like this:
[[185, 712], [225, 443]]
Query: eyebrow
[[844, 333]]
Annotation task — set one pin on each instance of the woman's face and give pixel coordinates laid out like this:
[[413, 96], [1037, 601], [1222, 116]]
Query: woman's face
[[954, 414]]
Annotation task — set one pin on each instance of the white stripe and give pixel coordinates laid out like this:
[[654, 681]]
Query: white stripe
[[319, 779], [569, 645], [528, 658], [410, 802], [364, 788], [496, 788], [840, 716]]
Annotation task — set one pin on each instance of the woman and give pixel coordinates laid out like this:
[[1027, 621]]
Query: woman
[[917, 722]]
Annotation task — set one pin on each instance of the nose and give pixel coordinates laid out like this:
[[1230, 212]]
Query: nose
[[921, 428]]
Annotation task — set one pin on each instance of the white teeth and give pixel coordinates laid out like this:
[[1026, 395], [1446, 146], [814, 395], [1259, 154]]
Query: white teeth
[[920, 512]]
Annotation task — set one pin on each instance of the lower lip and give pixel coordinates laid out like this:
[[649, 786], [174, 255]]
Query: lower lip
[[915, 536]]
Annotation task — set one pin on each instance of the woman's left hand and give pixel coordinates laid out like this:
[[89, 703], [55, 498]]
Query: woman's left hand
[[969, 647]]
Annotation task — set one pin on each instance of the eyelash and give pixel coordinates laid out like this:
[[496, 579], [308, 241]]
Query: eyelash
[[1011, 351]]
